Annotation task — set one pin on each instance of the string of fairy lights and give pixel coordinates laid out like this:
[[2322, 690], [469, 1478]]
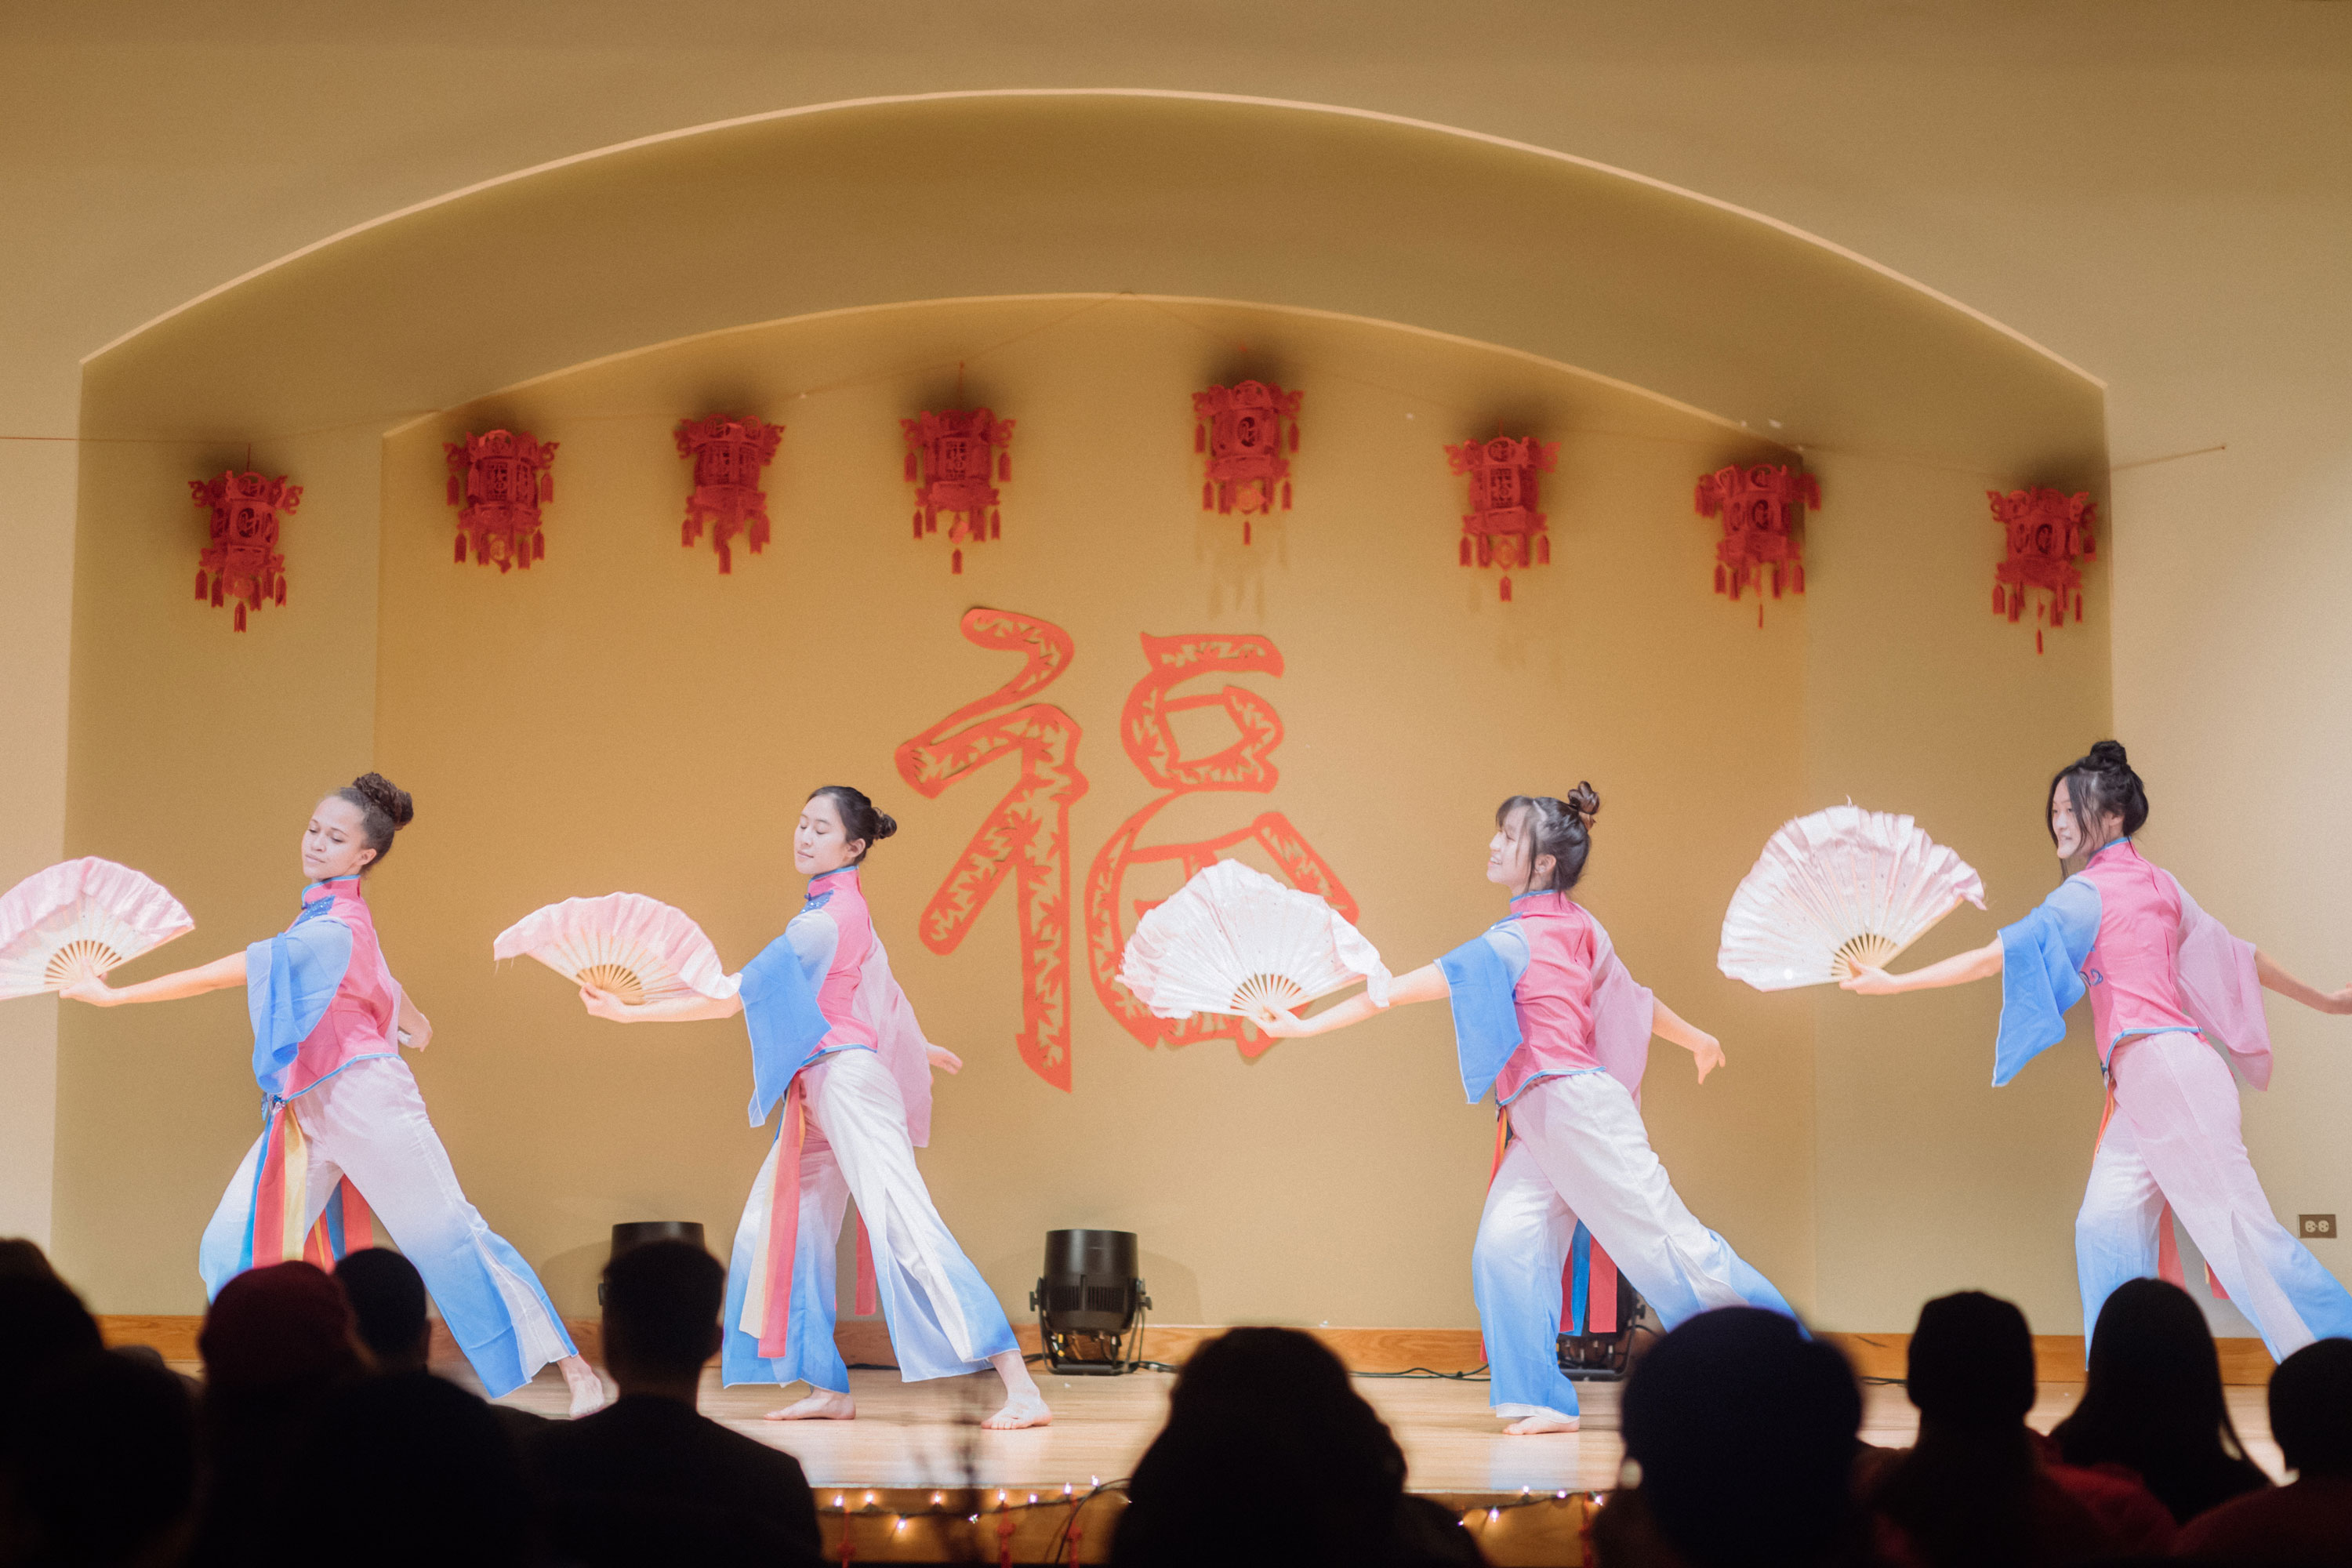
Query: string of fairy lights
[[1012, 1505]]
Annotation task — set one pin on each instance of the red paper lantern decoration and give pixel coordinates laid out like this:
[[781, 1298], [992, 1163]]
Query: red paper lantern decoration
[[953, 453], [1245, 430], [2047, 530], [499, 479], [1761, 508], [1503, 527], [242, 561], [728, 455]]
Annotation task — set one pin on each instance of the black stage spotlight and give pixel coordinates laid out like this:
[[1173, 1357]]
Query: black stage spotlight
[[638, 1232], [1089, 1301], [1605, 1356]]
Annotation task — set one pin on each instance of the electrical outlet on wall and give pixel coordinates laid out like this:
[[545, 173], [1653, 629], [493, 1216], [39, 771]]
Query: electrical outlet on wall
[[2316, 1226]]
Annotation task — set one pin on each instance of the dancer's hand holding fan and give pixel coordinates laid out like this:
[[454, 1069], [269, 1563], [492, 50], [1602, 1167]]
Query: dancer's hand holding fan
[[75, 921], [1835, 896], [626, 950], [1236, 942]]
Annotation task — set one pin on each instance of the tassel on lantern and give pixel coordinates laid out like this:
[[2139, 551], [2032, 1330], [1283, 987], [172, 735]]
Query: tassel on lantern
[[911, 467], [1776, 582], [1800, 577], [200, 584], [1285, 495], [1200, 437], [955, 564], [240, 615], [1245, 530], [995, 526], [452, 490], [1759, 612], [2078, 609], [281, 592], [1003, 467], [1999, 599], [461, 550], [2037, 642], [546, 484], [1506, 590], [1208, 495], [2016, 606], [538, 547], [1543, 549], [918, 527], [725, 559]]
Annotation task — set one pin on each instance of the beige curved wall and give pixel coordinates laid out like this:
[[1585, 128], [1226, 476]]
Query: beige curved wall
[[522, 704]]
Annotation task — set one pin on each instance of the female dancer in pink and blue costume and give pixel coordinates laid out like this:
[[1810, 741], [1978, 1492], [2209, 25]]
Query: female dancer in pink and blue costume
[[2168, 985], [1546, 1015], [344, 1117], [834, 1040]]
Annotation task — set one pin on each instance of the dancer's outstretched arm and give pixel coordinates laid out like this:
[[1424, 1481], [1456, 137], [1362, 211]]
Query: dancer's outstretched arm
[[2267, 971], [1426, 983], [217, 975], [684, 1009], [1958, 969], [1674, 1029]]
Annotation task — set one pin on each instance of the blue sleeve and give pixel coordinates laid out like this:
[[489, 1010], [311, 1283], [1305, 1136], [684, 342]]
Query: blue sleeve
[[289, 981], [1485, 1020], [2041, 958], [780, 1010]]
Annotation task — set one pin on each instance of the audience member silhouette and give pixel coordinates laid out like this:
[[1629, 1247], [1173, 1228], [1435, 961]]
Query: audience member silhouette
[[647, 1479], [1270, 1457], [1974, 1489], [21, 1259], [102, 1470], [276, 1345], [2152, 1402], [387, 1298], [2310, 1522], [1740, 1434]]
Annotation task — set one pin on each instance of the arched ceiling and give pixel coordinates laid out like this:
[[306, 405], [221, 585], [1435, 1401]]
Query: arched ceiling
[[1026, 193]]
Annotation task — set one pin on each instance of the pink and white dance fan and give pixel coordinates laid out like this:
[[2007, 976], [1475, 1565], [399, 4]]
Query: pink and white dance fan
[[1233, 938], [75, 921], [638, 948], [1841, 890]]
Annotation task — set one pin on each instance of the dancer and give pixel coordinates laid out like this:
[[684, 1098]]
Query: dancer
[[2167, 985], [834, 1038], [1546, 1015], [344, 1129]]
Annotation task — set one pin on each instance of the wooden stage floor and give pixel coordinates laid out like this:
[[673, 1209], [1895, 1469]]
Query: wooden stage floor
[[927, 1434]]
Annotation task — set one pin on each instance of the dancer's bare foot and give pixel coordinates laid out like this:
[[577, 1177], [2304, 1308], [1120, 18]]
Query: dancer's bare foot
[[587, 1388], [821, 1405], [1535, 1426], [1021, 1410]]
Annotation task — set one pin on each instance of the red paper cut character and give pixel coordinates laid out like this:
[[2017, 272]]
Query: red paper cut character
[[242, 562], [497, 479], [1760, 507], [1503, 527], [1245, 430], [729, 454], [2047, 530], [1147, 730], [1028, 831], [953, 453]]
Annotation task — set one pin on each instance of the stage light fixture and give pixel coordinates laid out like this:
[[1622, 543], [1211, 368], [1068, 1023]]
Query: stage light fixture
[[1089, 1301], [1605, 1357]]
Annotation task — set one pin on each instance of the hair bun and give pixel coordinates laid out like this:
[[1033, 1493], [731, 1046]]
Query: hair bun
[[387, 798], [2109, 756], [1584, 802], [885, 824]]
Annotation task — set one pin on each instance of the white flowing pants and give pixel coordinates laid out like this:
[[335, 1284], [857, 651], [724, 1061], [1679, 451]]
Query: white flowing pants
[[368, 1122], [1579, 1152], [942, 1317], [2175, 1138]]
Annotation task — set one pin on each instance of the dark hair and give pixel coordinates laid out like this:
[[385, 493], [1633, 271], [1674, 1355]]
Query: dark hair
[[1560, 828], [387, 1298], [661, 1306], [2097, 785], [2152, 1402], [385, 810], [1690, 1415], [2310, 1408], [858, 817], [1966, 1493]]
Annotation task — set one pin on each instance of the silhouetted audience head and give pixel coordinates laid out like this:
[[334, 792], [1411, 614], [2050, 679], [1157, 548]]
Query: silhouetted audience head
[[387, 1298], [1745, 1432], [1971, 1361], [661, 1313], [20, 1258], [2311, 1409], [43, 1326], [2152, 1402], [1270, 1455], [276, 1327], [463, 1496]]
